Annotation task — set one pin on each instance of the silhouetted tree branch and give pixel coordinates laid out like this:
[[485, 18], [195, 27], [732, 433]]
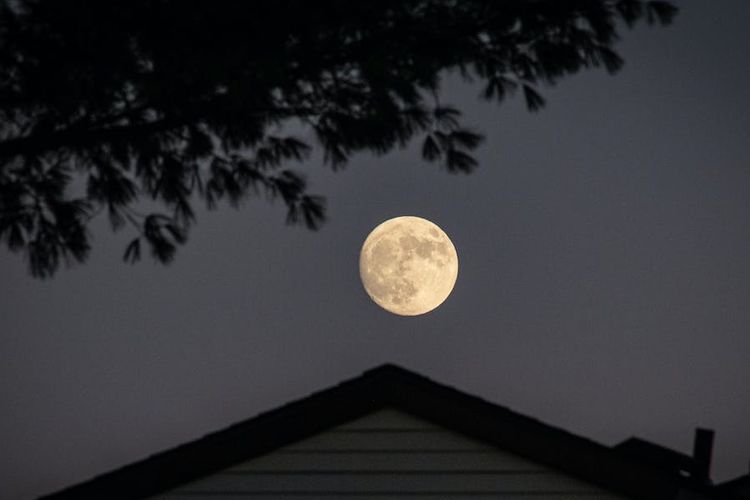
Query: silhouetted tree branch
[[106, 104]]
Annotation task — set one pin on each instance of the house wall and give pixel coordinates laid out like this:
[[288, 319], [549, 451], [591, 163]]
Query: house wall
[[389, 454]]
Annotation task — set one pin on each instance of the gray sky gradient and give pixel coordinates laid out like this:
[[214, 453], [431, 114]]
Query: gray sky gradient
[[603, 284]]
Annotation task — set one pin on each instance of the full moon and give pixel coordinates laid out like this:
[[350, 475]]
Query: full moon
[[408, 265]]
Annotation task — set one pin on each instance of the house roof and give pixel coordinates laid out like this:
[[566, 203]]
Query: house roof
[[738, 488], [387, 386], [656, 456]]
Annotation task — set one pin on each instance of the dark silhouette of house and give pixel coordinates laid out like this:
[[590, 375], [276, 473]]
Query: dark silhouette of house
[[738, 488], [696, 467], [391, 433]]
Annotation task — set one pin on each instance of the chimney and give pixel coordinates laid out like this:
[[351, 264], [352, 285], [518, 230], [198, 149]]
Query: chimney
[[702, 447]]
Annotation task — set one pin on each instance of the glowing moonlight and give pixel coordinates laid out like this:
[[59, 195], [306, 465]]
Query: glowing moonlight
[[408, 265]]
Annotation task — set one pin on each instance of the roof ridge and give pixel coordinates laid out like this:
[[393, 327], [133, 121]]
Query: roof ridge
[[386, 385]]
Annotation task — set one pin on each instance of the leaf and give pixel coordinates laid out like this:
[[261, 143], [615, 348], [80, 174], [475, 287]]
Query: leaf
[[629, 10], [443, 139], [334, 155], [291, 147], [15, 237], [534, 101], [447, 116], [199, 144], [311, 208], [43, 254], [138, 115], [116, 218], [132, 251], [466, 138], [430, 148], [663, 12], [162, 249], [177, 233], [458, 161], [183, 211], [612, 61], [416, 117], [314, 211], [498, 87]]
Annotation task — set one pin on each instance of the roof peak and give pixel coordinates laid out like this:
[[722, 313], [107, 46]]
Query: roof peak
[[385, 386]]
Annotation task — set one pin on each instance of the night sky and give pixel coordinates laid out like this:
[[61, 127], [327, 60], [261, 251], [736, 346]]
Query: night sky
[[603, 287]]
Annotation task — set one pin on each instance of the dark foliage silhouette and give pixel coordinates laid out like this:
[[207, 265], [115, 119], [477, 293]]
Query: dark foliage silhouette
[[141, 109]]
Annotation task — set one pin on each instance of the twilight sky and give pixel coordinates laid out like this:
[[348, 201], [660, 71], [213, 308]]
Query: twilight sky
[[603, 284]]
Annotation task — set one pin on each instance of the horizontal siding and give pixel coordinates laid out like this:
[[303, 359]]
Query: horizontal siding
[[406, 482], [327, 495], [412, 440], [386, 455], [389, 460], [388, 419]]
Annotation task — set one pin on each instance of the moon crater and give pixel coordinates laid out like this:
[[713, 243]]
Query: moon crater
[[408, 265]]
